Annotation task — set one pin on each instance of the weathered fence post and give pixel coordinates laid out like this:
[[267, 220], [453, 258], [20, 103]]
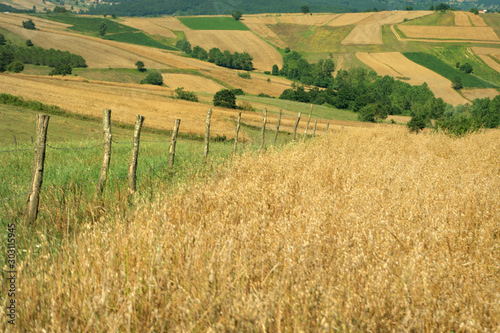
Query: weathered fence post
[[263, 142], [277, 128], [15, 141], [307, 125], [295, 127], [237, 131], [171, 152], [132, 168], [42, 123], [327, 125], [314, 128], [207, 134], [103, 175]]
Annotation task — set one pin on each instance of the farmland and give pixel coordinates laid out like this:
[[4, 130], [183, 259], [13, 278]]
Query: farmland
[[212, 23]]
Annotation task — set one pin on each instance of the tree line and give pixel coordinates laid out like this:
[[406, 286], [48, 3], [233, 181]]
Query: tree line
[[226, 59]]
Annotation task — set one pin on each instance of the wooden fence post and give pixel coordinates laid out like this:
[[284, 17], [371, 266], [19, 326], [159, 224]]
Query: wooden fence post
[[277, 128], [132, 168], [42, 123], [103, 175], [207, 134], [237, 131], [295, 127], [15, 141], [327, 125], [314, 128], [171, 152], [263, 142], [307, 125]]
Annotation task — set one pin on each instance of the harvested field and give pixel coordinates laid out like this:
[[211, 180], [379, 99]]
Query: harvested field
[[349, 19], [28, 4], [264, 55], [369, 30], [191, 83], [17, 20], [460, 33], [125, 100], [391, 63], [149, 26], [485, 53], [263, 31], [316, 19], [477, 20], [472, 94], [462, 19]]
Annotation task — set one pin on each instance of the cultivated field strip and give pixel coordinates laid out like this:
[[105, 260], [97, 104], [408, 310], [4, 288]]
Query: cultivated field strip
[[392, 63], [462, 19], [459, 33], [486, 53], [17, 20], [151, 26], [191, 83], [364, 230]]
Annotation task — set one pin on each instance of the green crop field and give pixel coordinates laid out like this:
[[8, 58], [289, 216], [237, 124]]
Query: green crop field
[[138, 38], [437, 65], [212, 23], [90, 25]]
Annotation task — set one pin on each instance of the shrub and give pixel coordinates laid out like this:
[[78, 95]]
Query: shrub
[[225, 98], [246, 106], [220, 138], [61, 69], [29, 24], [16, 67], [140, 66], [29, 43], [187, 95], [245, 75], [154, 78], [184, 45], [417, 123], [457, 83], [238, 91], [2, 39]]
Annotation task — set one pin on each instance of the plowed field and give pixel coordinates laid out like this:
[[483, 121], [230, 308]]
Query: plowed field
[[392, 63], [461, 33], [264, 55]]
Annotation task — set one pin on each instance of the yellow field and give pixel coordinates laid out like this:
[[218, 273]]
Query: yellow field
[[264, 55], [258, 24], [28, 4], [472, 94], [152, 26], [191, 83], [316, 19], [461, 33], [349, 19], [485, 53], [397, 65], [365, 230], [477, 20], [462, 19], [369, 30]]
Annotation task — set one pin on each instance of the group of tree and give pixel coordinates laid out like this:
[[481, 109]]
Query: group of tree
[[295, 67], [226, 59], [15, 56], [237, 14], [29, 24], [154, 78]]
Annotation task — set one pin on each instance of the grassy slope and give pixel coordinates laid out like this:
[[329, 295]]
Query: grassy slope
[[493, 21], [438, 18], [212, 23], [446, 70]]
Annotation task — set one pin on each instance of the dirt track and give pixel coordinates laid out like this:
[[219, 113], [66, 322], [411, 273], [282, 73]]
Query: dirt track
[[392, 63]]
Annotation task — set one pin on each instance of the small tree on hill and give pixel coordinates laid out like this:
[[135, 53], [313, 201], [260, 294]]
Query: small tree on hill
[[304, 9], [102, 29], [417, 123], [225, 98], [153, 78], [457, 83], [237, 14], [29, 43], [29, 24], [61, 69], [140, 66]]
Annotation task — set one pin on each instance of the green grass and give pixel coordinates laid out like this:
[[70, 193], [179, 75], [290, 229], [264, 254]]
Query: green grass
[[437, 65], [12, 37], [319, 111], [493, 21], [137, 38], [438, 18], [212, 23], [90, 25]]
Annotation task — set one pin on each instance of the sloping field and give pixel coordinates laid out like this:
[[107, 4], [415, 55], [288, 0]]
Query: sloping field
[[369, 30], [149, 25], [28, 4], [349, 19], [191, 83], [316, 19], [264, 55], [461, 33], [462, 19], [262, 30], [472, 94], [365, 230], [125, 100], [477, 20], [17, 20], [390, 63], [485, 53]]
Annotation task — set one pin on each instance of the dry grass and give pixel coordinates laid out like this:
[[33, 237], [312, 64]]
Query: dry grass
[[365, 230], [485, 52], [152, 26], [462, 19]]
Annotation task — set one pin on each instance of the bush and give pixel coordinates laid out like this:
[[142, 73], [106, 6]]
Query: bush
[[29, 43], [184, 45], [140, 66], [238, 91], [225, 98], [154, 78], [457, 83], [2, 39], [246, 106], [417, 123], [187, 95], [220, 138], [61, 69], [245, 75], [29, 24], [16, 67]]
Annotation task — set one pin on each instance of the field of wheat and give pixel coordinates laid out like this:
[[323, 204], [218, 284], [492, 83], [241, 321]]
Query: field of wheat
[[361, 230]]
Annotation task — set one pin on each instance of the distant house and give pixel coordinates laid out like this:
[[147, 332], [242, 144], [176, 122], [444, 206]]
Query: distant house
[[483, 11]]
